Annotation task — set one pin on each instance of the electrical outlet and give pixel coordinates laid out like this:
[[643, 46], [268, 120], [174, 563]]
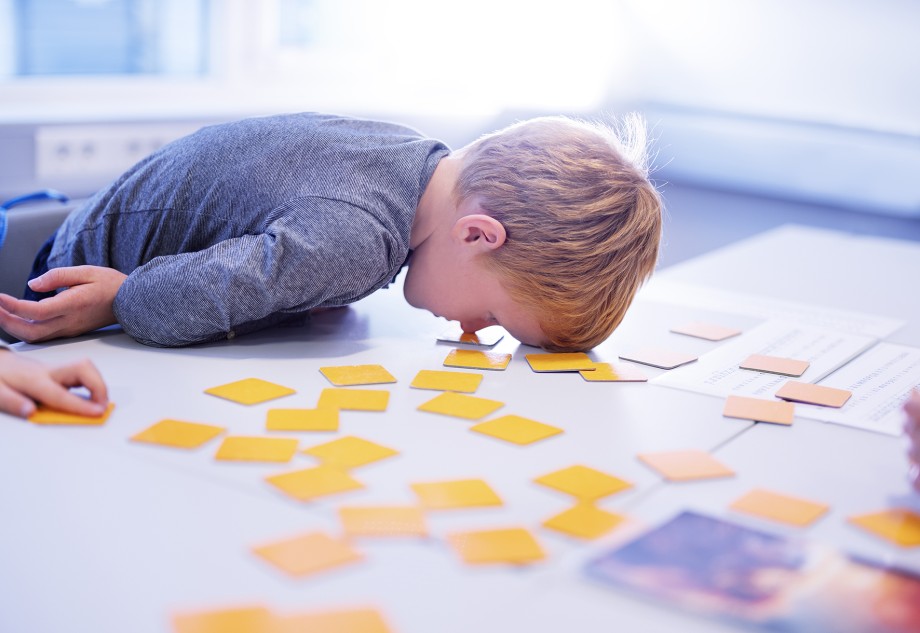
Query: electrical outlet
[[93, 150]]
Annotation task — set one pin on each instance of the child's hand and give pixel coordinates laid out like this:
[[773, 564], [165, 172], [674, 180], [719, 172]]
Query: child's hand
[[84, 306], [912, 430], [24, 381]]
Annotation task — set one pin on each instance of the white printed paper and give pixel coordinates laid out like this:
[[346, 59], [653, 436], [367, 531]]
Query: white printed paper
[[717, 372], [881, 380]]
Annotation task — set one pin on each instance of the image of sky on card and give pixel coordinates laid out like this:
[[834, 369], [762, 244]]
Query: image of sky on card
[[742, 575]]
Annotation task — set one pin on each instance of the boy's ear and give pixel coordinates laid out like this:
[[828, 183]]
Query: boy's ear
[[479, 230]]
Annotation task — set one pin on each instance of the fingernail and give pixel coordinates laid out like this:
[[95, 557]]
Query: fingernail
[[27, 409]]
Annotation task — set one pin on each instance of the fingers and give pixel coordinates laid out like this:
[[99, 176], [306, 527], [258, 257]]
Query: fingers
[[15, 403], [62, 278], [55, 396], [32, 310], [28, 330], [83, 374]]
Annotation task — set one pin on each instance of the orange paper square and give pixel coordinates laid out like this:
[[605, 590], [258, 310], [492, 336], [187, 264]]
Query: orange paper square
[[256, 449], [516, 429], [302, 420], [583, 483], [46, 416], [476, 359], [383, 521], [686, 465], [461, 381], [759, 410], [340, 621], [178, 434], [354, 399], [461, 406], [561, 361], [250, 391], [461, 493], [234, 620], [584, 521], [898, 525], [661, 358], [514, 545], [775, 365], [813, 394], [308, 554], [350, 452], [310, 483], [779, 507], [350, 375], [608, 372]]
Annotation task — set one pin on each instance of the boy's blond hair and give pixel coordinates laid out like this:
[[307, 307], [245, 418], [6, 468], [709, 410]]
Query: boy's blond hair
[[583, 221]]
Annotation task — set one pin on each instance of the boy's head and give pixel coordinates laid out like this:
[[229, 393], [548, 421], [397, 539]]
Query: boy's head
[[582, 220]]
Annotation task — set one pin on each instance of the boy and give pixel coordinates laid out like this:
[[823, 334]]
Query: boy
[[547, 228]]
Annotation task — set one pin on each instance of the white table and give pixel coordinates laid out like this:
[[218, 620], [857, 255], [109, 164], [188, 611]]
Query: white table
[[102, 534]]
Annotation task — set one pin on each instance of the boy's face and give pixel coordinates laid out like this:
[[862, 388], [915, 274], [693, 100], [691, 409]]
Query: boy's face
[[464, 290]]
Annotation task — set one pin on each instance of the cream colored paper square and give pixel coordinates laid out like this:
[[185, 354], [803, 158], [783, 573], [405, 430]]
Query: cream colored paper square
[[813, 394], [308, 554], [686, 465], [779, 507], [775, 365], [383, 521], [759, 410]]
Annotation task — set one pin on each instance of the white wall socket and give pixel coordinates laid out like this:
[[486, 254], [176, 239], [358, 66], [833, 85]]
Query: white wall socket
[[93, 150]]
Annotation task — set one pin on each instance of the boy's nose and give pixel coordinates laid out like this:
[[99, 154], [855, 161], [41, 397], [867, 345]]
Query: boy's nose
[[473, 325]]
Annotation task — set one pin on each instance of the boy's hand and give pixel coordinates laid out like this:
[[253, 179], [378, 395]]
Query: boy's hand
[[912, 430], [24, 381], [85, 305]]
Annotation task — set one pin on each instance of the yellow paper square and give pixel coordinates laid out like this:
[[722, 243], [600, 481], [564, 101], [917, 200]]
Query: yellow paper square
[[459, 493], [513, 545], [608, 372], [350, 452], [563, 361], [686, 465], [341, 621], [583, 483], [383, 521], [516, 429], [310, 483], [250, 391], [779, 507], [256, 449], [898, 525], [584, 521], [302, 420], [476, 359], [350, 375], [178, 434], [235, 620], [308, 554], [464, 382], [44, 415], [354, 399], [461, 406]]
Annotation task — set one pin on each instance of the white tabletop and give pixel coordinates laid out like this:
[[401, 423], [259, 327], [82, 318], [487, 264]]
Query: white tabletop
[[118, 535]]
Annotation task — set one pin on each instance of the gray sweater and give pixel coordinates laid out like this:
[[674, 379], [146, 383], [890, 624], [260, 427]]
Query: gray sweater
[[244, 225]]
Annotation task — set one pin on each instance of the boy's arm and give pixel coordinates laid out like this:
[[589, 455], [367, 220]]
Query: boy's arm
[[85, 304]]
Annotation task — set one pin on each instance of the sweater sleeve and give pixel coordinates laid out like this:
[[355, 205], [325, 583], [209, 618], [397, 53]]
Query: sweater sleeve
[[324, 252]]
